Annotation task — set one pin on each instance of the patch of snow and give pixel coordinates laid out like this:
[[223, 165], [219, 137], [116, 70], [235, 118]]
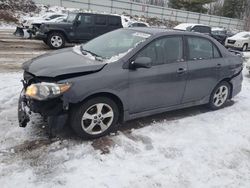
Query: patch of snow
[[193, 147], [117, 57], [77, 50], [7, 26], [218, 29]]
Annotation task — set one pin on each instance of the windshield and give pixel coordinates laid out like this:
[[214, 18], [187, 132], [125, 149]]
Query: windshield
[[71, 17], [115, 44]]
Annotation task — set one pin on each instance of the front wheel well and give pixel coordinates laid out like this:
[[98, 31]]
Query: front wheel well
[[111, 96]]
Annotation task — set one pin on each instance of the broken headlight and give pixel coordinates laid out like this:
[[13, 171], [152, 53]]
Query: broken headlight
[[44, 90]]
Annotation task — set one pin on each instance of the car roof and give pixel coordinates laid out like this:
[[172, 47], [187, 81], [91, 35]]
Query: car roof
[[99, 14], [160, 31]]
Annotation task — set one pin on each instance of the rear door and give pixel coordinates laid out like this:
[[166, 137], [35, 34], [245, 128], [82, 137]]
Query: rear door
[[163, 84], [204, 68], [101, 25], [84, 30]]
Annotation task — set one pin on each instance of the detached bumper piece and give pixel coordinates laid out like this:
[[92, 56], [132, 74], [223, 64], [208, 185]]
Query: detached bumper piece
[[53, 110], [23, 111]]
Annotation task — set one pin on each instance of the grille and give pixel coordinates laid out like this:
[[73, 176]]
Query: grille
[[231, 41]]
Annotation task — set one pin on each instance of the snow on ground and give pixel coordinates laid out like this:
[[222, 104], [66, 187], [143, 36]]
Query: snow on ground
[[193, 147], [7, 26]]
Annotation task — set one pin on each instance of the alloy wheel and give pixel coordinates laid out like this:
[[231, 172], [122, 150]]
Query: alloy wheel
[[97, 118], [220, 96], [56, 41]]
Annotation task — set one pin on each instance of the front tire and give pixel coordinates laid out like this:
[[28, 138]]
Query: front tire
[[220, 95], [94, 118], [245, 47], [56, 40]]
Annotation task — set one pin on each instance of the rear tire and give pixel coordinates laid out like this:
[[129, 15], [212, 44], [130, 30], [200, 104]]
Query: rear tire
[[56, 40], [220, 95], [94, 118]]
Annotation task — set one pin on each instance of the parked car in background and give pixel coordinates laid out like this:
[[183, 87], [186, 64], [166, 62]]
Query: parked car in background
[[239, 41], [200, 28], [221, 34], [28, 21], [77, 28], [37, 23], [138, 24], [127, 74], [29, 25]]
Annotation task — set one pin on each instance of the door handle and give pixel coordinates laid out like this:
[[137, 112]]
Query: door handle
[[181, 70], [218, 66]]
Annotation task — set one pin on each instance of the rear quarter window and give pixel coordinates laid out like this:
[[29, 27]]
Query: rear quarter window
[[114, 21]]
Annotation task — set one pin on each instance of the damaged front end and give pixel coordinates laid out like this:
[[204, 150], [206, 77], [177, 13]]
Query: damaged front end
[[54, 109]]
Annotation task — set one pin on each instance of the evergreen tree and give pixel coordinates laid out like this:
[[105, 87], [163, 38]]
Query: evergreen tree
[[190, 5], [234, 8]]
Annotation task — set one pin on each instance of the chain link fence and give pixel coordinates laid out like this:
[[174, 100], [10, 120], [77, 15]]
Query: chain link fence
[[139, 9]]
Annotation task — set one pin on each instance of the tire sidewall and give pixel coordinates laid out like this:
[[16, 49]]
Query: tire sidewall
[[55, 34], [78, 111], [211, 103]]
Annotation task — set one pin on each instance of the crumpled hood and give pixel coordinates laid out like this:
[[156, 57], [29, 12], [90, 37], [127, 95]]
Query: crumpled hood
[[61, 62]]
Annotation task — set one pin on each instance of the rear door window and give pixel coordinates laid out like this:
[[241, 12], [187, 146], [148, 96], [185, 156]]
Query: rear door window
[[201, 48], [100, 20], [85, 19]]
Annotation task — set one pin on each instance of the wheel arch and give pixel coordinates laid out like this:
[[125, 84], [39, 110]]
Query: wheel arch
[[111, 96]]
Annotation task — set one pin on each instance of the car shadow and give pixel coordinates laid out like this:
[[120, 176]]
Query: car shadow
[[126, 127], [167, 116]]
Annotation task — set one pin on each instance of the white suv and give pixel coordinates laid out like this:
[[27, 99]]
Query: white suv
[[240, 41]]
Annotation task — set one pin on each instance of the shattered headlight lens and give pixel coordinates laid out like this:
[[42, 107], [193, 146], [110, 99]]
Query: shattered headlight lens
[[44, 90]]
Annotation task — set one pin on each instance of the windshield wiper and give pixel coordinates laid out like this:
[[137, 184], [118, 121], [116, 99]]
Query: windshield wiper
[[85, 52]]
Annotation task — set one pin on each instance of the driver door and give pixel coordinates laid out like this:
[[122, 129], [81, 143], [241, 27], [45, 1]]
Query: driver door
[[163, 84], [84, 29]]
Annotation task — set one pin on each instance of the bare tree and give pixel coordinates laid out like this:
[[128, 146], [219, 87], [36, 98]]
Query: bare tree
[[247, 15]]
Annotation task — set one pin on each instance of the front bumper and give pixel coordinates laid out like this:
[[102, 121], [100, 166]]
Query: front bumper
[[52, 109], [235, 46]]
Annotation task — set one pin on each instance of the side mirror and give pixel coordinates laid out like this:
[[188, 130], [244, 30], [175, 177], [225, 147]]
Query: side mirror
[[141, 62]]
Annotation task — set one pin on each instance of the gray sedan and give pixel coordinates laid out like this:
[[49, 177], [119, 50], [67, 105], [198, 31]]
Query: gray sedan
[[127, 74]]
